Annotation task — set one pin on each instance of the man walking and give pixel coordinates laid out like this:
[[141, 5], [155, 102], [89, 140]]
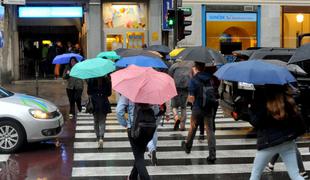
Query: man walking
[[203, 94], [180, 72]]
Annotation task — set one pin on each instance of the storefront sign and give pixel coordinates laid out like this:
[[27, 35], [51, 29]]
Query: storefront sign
[[50, 12], [232, 17], [18, 2], [167, 4]]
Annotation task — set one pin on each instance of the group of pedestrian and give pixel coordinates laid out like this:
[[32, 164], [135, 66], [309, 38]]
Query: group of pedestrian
[[274, 115]]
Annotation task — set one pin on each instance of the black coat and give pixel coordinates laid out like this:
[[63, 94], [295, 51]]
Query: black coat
[[100, 89], [272, 132]]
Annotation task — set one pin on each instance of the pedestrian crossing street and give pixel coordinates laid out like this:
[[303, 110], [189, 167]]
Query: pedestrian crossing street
[[236, 148]]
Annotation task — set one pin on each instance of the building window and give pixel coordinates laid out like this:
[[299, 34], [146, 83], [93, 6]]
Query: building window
[[227, 32]]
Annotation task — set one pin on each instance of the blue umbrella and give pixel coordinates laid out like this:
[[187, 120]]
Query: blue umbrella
[[144, 61], [256, 72], [65, 58]]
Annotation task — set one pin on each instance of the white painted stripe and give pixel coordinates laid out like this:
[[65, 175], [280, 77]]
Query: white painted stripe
[[4, 157], [172, 155], [170, 126], [173, 170], [163, 134], [166, 143]]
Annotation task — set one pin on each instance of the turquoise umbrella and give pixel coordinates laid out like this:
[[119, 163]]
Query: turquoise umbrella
[[92, 68], [108, 55]]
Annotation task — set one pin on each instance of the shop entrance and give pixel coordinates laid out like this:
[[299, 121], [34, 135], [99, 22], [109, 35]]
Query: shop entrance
[[40, 44]]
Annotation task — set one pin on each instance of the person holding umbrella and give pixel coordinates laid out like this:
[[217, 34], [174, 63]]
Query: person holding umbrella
[[74, 88], [203, 96], [96, 71], [142, 89]]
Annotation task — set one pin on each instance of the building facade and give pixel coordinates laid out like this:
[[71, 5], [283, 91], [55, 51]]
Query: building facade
[[103, 25]]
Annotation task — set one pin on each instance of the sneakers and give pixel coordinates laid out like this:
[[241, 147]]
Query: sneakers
[[185, 148], [153, 157], [70, 115], [304, 175], [269, 167], [211, 160], [100, 143]]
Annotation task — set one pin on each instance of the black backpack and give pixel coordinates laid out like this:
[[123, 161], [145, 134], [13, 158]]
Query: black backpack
[[144, 122], [208, 94]]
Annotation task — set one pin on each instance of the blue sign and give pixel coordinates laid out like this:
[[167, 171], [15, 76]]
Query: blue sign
[[50, 12], [167, 4], [232, 17]]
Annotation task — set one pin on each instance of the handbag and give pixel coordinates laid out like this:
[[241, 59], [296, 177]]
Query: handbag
[[89, 106]]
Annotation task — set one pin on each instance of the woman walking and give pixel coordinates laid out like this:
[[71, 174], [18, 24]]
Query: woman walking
[[74, 88], [276, 117], [99, 89]]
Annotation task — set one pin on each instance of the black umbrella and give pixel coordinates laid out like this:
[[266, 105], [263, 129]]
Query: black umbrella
[[202, 54], [120, 50], [159, 48], [301, 54], [136, 52]]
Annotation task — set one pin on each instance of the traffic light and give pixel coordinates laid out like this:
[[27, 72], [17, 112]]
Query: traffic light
[[182, 23], [171, 18]]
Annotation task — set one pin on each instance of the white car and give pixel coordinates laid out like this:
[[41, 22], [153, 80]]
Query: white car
[[26, 118]]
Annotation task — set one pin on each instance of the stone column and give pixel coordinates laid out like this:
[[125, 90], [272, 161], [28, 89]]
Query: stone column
[[270, 25], [94, 28], [155, 11]]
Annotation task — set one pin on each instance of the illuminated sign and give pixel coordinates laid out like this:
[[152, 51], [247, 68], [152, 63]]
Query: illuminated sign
[[50, 12], [239, 17]]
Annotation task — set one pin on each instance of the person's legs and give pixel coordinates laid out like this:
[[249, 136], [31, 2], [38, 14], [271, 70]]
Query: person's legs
[[70, 94], [78, 99], [300, 163], [288, 155], [184, 95], [209, 122], [195, 119], [261, 160]]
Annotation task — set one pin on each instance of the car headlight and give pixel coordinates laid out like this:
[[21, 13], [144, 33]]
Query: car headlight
[[39, 114]]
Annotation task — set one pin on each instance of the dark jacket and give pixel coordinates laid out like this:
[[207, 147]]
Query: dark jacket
[[100, 89], [272, 132], [72, 82], [194, 86]]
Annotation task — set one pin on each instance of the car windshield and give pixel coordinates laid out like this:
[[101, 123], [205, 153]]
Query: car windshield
[[5, 93]]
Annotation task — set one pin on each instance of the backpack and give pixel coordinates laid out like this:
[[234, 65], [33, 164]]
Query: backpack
[[144, 122], [208, 94]]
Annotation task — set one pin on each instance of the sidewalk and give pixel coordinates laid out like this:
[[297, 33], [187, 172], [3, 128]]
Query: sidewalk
[[52, 90]]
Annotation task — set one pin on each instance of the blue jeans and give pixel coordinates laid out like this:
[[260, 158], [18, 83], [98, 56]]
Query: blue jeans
[[287, 151], [151, 146]]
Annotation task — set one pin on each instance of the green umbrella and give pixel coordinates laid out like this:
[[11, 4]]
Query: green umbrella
[[92, 68], [108, 55]]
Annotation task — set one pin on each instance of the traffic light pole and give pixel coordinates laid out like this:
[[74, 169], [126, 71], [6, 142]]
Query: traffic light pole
[[175, 27]]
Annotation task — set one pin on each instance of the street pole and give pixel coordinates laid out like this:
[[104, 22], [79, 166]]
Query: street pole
[[175, 26]]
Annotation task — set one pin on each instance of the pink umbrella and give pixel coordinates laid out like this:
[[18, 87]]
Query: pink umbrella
[[144, 85]]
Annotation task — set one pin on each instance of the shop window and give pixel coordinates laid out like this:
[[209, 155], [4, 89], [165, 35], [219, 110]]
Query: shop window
[[114, 41], [295, 24], [227, 32], [135, 40], [125, 16]]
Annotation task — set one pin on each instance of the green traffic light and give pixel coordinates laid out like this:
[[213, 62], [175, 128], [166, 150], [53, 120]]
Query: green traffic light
[[170, 22]]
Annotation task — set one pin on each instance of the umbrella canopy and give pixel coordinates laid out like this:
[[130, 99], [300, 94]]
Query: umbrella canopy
[[136, 52], [301, 54], [92, 68], [143, 61], [65, 58], [203, 55], [256, 72], [176, 52], [120, 50], [144, 85], [108, 55], [294, 68], [159, 48]]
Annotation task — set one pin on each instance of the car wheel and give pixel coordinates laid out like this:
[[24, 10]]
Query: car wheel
[[12, 136]]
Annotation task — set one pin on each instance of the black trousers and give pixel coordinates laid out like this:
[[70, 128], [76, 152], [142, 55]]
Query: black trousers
[[74, 96], [202, 124], [138, 147]]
